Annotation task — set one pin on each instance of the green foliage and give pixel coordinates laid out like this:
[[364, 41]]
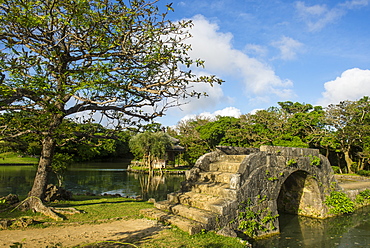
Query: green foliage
[[250, 222], [365, 173], [60, 165], [339, 203], [291, 162], [314, 160], [336, 169], [350, 125], [112, 62], [150, 146], [214, 133], [363, 197], [272, 179]]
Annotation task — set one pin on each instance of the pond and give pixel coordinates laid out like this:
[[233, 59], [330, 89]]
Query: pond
[[352, 230], [94, 178], [98, 178]]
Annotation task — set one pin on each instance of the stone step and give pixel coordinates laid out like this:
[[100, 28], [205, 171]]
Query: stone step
[[205, 217], [224, 166], [202, 201], [165, 205], [215, 189], [215, 176], [187, 225], [233, 158]]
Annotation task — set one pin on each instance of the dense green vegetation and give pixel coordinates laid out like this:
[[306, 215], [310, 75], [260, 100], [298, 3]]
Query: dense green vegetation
[[341, 132], [100, 143], [149, 147]]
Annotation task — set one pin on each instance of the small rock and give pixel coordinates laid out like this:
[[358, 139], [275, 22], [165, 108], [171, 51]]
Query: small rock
[[151, 200], [4, 224], [10, 199], [55, 193], [227, 232], [23, 222]]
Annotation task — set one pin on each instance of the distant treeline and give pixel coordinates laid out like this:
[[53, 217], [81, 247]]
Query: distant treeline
[[341, 132]]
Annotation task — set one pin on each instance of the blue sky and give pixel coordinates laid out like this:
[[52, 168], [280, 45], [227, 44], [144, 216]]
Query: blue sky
[[315, 52]]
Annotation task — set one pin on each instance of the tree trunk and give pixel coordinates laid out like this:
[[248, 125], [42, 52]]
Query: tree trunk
[[348, 160], [37, 194], [43, 169]]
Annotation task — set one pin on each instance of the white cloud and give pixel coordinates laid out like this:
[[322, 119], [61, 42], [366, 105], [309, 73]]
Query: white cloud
[[216, 49], [351, 85], [288, 47], [355, 3], [318, 16], [229, 111], [257, 50], [214, 96]]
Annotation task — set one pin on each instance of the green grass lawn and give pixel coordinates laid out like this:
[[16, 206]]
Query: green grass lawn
[[16, 158], [98, 209]]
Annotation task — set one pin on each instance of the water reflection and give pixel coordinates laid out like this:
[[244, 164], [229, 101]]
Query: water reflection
[[112, 178], [343, 231], [95, 178]]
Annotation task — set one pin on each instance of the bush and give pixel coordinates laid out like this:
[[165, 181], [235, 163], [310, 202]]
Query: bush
[[365, 173], [336, 169], [363, 197], [340, 203]]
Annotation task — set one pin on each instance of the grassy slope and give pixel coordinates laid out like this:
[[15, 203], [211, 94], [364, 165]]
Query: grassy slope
[[15, 158], [106, 209]]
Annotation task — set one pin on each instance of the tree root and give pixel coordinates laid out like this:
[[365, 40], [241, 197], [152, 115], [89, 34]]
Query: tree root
[[36, 205]]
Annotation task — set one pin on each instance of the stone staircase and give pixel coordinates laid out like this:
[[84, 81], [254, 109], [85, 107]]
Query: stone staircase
[[205, 203]]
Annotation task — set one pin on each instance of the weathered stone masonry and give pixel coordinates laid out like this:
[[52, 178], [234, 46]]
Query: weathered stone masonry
[[231, 181]]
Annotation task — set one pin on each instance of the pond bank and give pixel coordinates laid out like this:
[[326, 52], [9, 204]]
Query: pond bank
[[353, 182], [137, 169]]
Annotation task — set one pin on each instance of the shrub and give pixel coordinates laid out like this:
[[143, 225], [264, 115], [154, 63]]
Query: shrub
[[291, 162], [314, 160], [336, 169], [365, 173], [363, 197], [340, 203]]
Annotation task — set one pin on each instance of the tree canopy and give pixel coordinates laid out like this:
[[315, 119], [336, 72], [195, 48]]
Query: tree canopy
[[150, 146], [73, 59], [341, 131]]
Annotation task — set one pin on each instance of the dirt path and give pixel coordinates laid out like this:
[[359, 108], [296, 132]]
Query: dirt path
[[350, 182], [70, 236]]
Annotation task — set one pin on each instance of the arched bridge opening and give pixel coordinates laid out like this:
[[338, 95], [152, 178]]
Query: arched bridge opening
[[300, 194]]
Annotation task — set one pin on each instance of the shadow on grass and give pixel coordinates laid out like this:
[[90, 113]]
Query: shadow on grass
[[132, 239], [76, 204]]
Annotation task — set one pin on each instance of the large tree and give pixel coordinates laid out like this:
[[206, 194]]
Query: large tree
[[349, 126], [150, 147], [61, 59]]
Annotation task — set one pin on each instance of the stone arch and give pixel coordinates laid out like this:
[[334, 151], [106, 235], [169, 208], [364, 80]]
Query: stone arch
[[300, 194], [230, 180]]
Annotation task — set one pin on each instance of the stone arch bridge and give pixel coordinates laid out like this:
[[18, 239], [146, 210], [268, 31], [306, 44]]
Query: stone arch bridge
[[246, 188]]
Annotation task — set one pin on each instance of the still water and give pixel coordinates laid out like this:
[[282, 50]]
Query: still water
[[95, 178], [112, 178], [342, 231]]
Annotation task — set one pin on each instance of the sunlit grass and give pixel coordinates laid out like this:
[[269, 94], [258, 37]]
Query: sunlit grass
[[95, 209], [104, 209], [175, 238], [16, 158]]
